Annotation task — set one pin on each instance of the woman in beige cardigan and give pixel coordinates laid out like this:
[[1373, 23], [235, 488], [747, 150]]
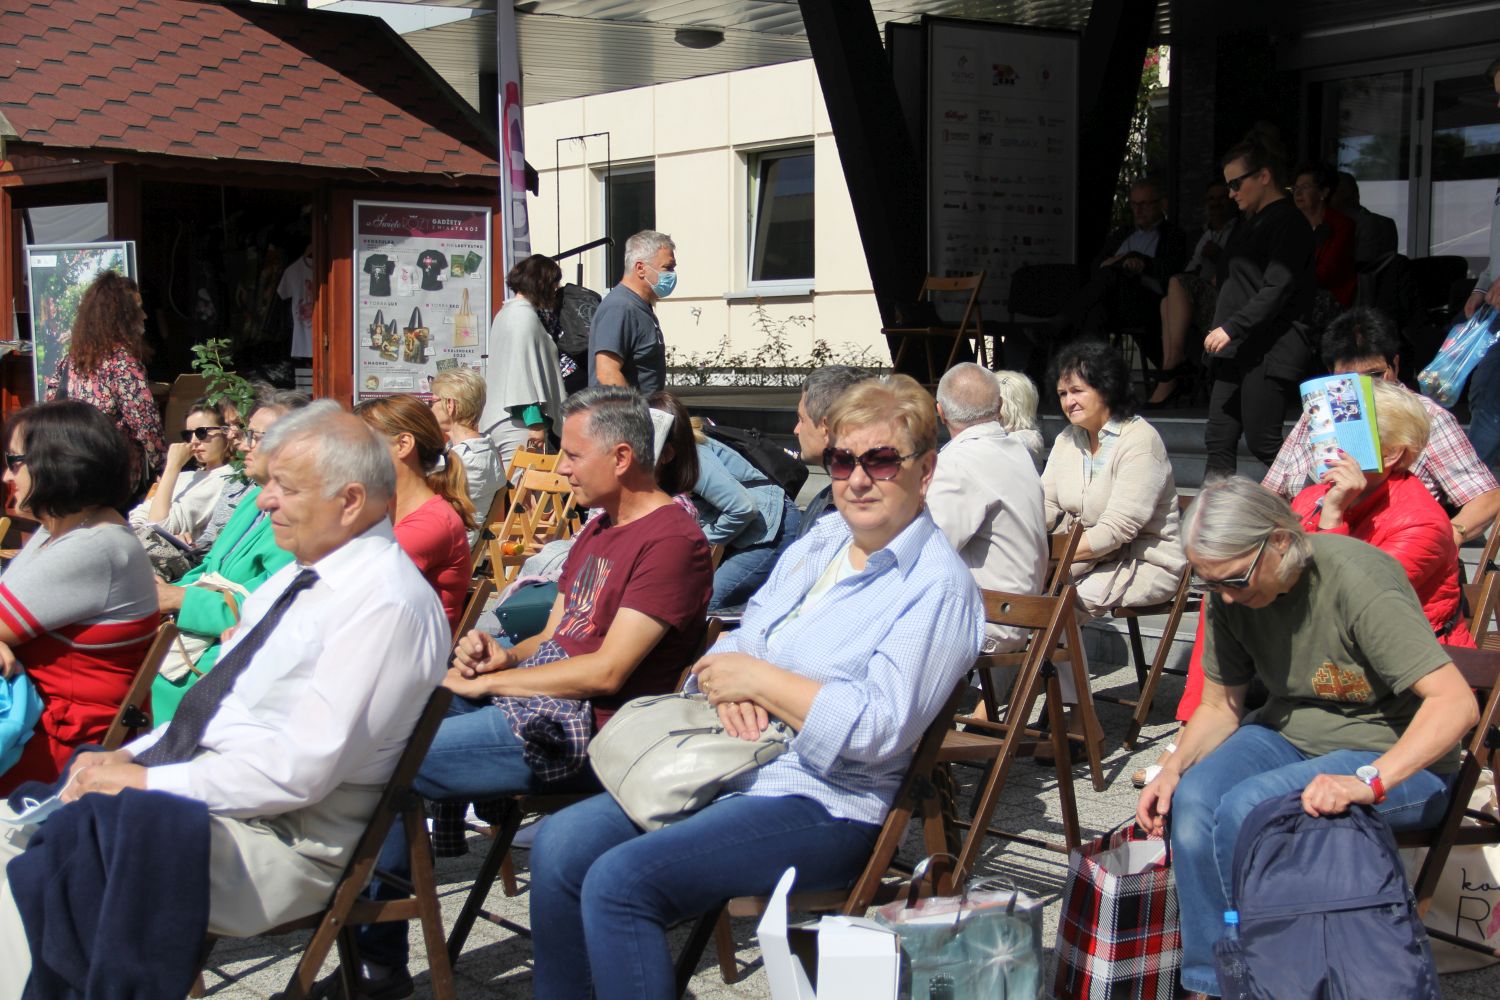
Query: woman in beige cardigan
[[1110, 470]]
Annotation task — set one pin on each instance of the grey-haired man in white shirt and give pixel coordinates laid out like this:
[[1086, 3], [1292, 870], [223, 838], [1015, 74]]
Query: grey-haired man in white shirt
[[294, 757], [986, 496]]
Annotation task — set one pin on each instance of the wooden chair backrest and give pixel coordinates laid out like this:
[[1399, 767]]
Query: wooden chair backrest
[[523, 460], [1491, 549], [971, 283], [1063, 548], [131, 717], [540, 512], [489, 525]]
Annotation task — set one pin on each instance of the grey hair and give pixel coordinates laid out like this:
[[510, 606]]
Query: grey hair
[[968, 394], [345, 449], [1018, 399], [646, 244], [617, 415], [268, 397], [1232, 516], [823, 386]]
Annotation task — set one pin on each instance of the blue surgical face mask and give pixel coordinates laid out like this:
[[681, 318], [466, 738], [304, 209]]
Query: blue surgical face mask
[[665, 282]]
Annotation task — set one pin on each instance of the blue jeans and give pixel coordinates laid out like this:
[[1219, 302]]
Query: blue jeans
[[474, 756], [1211, 803], [1484, 407], [742, 571], [603, 893]]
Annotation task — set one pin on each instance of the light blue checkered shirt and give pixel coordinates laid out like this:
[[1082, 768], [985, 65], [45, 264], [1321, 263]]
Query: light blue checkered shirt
[[1109, 435], [888, 644]]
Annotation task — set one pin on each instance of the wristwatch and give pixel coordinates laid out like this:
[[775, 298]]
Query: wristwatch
[[1370, 776]]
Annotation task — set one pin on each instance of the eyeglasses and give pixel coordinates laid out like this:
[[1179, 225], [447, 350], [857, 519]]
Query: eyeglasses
[[1234, 185], [1375, 373], [201, 433], [1234, 582], [250, 437], [13, 461], [880, 464]]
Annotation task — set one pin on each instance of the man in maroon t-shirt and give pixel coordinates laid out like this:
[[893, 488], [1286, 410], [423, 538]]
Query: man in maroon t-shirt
[[629, 617]]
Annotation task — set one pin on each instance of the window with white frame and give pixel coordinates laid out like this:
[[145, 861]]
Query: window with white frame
[[781, 216]]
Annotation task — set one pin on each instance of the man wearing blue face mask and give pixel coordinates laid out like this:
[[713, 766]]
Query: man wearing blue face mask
[[625, 341]]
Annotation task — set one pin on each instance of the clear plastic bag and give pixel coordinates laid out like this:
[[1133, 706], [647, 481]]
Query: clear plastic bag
[[1464, 347]]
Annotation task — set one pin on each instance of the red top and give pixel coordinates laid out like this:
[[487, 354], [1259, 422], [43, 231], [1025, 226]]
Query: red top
[[1335, 257], [1400, 518], [433, 536], [657, 565]]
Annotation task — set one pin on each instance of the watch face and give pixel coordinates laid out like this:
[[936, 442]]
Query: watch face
[[1367, 774]]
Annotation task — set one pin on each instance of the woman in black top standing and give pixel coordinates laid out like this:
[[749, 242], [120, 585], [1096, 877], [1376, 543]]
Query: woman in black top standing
[[1260, 347]]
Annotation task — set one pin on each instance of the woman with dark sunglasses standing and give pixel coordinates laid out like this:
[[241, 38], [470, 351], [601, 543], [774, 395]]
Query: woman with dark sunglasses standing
[[183, 503], [864, 629], [1109, 470], [78, 603]]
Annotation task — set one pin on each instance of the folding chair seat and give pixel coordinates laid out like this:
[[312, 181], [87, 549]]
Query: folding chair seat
[[1481, 669], [132, 718], [928, 327], [347, 908], [917, 796], [995, 744]]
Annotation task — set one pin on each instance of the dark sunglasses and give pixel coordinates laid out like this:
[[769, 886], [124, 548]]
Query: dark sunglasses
[[13, 461], [1233, 582], [880, 464], [201, 433], [1234, 185]]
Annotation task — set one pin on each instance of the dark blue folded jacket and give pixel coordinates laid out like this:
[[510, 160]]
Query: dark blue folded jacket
[[113, 892]]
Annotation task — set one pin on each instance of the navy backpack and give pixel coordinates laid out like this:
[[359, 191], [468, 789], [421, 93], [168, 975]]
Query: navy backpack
[[1324, 911]]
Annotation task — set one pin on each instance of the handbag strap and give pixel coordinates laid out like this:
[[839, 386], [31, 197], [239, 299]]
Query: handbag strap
[[416, 318], [464, 309], [924, 870]]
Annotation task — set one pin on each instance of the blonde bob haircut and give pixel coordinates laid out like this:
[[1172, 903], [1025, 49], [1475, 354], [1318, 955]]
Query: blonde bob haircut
[[898, 400], [465, 387], [1402, 420]]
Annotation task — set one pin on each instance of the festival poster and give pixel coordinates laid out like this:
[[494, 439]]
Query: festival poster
[[421, 294], [57, 275]]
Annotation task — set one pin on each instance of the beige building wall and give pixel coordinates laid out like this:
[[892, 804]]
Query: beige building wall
[[700, 136]]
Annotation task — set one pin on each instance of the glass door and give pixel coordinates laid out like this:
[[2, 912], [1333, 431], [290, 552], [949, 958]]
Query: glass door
[[1460, 161], [1367, 131]]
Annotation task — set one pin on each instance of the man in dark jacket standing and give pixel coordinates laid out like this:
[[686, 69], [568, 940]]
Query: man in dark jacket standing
[[1259, 347]]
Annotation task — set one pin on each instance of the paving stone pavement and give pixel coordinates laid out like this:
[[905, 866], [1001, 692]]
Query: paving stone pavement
[[496, 963]]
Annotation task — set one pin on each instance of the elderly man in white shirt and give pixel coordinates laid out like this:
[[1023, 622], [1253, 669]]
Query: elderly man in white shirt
[[291, 758], [986, 496]]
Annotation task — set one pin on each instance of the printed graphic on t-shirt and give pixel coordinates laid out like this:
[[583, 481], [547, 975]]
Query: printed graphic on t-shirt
[[1338, 684], [379, 267], [578, 615], [432, 263]]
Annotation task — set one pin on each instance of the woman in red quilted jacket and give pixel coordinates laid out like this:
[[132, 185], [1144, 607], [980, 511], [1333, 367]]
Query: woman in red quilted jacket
[[1392, 511]]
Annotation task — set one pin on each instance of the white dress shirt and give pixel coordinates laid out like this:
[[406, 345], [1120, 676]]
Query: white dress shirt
[[987, 500], [332, 695]]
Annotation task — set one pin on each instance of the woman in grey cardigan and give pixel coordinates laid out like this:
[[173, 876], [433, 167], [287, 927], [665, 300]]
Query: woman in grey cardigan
[[1110, 471]]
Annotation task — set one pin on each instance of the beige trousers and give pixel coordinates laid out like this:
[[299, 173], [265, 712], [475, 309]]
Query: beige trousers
[[262, 872]]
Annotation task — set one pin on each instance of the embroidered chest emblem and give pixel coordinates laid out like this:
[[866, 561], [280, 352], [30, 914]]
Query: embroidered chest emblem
[[1338, 684]]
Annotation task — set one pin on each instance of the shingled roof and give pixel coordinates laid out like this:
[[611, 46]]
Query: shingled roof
[[240, 82]]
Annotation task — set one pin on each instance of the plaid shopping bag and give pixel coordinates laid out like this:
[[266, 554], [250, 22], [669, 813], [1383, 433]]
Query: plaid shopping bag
[[1119, 936]]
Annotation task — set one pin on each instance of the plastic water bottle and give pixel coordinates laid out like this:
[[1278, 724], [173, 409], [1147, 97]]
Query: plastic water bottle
[[1229, 960]]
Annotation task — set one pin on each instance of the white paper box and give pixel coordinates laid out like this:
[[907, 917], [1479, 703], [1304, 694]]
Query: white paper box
[[858, 959]]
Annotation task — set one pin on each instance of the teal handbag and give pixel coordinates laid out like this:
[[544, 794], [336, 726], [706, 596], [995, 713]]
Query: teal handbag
[[20, 708]]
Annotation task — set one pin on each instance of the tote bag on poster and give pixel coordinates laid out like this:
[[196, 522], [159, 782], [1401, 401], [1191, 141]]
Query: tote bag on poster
[[465, 330]]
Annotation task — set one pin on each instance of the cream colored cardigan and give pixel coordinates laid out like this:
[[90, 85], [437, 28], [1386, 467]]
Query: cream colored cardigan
[[1130, 507]]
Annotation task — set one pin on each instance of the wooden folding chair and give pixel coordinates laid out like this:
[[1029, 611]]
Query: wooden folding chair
[[1481, 669], [348, 909], [995, 744], [1147, 677], [497, 860], [522, 460], [916, 796], [1483, 594], [970, 327], [539, 513], [489, 525], [1063, 549], [132, 718], [473, 608]]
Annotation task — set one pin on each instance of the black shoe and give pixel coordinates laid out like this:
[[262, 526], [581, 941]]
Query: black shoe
[[394, 985], [1181, 380]]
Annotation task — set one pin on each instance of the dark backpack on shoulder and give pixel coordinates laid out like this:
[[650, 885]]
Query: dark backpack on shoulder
[[575, 315], [766, 455], [1325, 912]]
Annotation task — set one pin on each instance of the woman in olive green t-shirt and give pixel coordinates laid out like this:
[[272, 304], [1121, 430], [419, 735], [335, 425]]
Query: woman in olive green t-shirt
[[1364, 706]]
